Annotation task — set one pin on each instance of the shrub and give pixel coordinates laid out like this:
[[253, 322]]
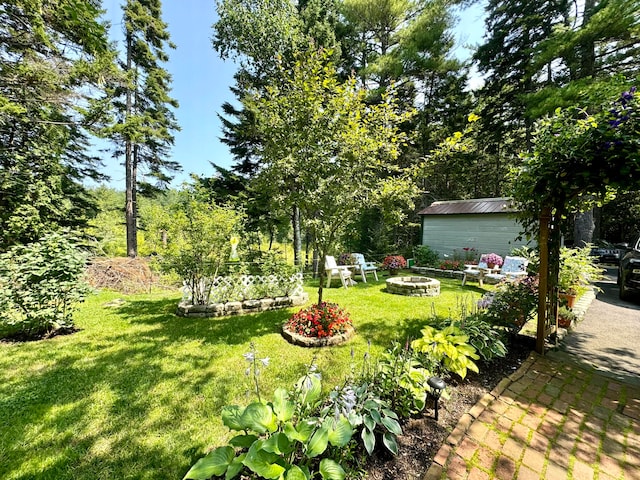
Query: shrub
[[40, 285], [425, 256], [319, 321], [511, 303], [577, 269], [198, 242]]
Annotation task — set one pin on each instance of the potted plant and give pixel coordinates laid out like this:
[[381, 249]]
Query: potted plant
[[393, 263], [565, 317], [577, 271], [493, 260]]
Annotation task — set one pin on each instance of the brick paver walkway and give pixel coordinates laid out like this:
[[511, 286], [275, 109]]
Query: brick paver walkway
[[549, 420]]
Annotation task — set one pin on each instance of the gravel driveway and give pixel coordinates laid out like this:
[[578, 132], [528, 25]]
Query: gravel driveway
[[608, 338]]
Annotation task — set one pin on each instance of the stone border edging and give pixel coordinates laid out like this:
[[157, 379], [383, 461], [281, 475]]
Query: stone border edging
[[438, 272], [239, 308], [438, 465], [413, 286], [303, 341]]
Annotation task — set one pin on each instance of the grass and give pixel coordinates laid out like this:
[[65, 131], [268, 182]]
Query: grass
[[137, 392]]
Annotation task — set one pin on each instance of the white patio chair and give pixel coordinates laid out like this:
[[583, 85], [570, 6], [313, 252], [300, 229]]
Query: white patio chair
[[512, 268], [332, 270], [363, 267]]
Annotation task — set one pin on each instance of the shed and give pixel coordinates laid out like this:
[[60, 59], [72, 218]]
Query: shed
[[486, 224]]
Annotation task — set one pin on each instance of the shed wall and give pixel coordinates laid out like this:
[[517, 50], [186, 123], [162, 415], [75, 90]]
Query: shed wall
[[486, 233]]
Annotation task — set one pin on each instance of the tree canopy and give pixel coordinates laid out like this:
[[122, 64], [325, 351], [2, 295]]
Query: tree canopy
[[326, 150]]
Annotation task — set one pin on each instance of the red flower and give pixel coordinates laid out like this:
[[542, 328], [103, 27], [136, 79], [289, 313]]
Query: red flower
[[323, 320]]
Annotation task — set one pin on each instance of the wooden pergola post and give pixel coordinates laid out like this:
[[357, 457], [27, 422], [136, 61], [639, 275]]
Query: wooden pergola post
[[543, 243]]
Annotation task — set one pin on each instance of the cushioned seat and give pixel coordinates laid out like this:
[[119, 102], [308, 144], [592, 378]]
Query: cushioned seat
[[363, 267]]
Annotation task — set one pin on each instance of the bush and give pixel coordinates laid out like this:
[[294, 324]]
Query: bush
[[198, 241], [40, 285], [425, 256], [511, 303]]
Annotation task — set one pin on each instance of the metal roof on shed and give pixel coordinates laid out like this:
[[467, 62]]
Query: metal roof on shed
[[476, 205]]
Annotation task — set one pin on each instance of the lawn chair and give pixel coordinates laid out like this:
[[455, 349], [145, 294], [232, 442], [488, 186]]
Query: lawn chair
[[512, 268], [476, 271], [362, 267], [332, 269]]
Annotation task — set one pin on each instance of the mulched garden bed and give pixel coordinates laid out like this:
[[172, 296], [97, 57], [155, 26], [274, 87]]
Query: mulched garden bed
[[422, 436]]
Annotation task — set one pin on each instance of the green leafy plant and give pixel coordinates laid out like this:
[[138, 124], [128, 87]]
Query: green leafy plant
[[198, 241], [399, 379], [449, 348], [566, 316], [511, 304], [485, 337], [279, 439], [425, 256], [577, 270], [41, 284]]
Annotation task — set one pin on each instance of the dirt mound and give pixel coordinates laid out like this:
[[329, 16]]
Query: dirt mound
[[122, 274]]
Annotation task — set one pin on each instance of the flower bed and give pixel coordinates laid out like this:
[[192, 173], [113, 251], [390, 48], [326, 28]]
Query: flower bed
[[244, 294], [319, 325]]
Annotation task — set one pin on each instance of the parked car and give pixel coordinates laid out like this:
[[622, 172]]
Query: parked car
[[629, 272], [605, 252]]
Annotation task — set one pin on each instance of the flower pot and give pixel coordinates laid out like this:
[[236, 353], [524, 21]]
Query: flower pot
[[564, 322], [569, 298], [491, 265], [393, 271]]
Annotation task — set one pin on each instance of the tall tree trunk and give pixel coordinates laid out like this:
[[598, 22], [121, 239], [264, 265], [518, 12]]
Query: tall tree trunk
[[297, 235], [583, 228], [130, 176]]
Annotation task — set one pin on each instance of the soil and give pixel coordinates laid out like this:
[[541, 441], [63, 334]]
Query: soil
[[422, 436]]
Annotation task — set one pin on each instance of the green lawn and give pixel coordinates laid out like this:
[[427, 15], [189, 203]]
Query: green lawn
[[137, 392]]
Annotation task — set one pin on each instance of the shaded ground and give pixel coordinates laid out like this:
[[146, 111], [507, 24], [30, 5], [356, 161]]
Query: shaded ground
[[422, 437]]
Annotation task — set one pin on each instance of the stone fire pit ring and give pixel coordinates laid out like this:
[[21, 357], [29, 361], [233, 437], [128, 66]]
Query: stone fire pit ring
[[413, 286]]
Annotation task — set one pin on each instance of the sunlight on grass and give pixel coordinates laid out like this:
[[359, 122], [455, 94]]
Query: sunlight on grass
[[137, 391]]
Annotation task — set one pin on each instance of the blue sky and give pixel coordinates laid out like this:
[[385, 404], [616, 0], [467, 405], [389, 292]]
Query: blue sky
[[201, 82]]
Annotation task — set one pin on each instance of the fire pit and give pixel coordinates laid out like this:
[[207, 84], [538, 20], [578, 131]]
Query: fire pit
[[414, 286]]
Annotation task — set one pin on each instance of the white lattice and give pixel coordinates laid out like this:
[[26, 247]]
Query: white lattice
[[245, 287]]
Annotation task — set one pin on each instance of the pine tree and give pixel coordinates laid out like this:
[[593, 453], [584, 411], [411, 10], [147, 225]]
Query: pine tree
[[146, 122], [55, 58]]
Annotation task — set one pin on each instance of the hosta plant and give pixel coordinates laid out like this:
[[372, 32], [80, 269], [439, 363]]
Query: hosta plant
[[274, 441], [449, 348]]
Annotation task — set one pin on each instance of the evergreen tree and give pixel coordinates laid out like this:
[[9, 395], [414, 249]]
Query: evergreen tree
[[145, 124], [55, 56]]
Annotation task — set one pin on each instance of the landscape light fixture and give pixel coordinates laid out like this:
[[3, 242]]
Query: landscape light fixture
[[437, 386]]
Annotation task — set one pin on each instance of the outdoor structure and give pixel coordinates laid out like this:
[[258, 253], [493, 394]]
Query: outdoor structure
[[485, 224], [414, 286]]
